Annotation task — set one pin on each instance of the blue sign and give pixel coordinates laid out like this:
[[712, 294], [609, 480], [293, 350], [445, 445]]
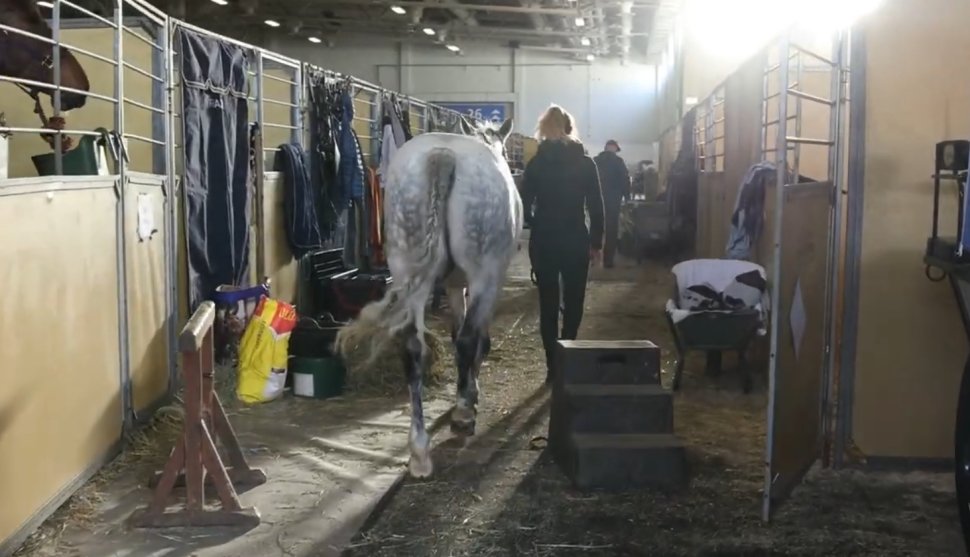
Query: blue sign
[[490, 112]]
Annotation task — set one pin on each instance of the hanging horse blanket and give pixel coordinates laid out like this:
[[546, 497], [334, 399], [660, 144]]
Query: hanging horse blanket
[[375, 204], [299, 202], [324, 156], [748, 218], [350, 171], [215, 119]]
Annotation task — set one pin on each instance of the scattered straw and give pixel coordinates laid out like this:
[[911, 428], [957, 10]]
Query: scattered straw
[[385, 375]]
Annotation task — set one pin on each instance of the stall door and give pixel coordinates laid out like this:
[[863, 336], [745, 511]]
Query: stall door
[[794, 406]]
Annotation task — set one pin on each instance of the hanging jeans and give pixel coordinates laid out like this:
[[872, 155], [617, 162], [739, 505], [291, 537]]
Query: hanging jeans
[[215, 116], [555, 260]]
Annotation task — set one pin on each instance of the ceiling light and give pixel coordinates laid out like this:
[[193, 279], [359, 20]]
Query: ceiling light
[[580, 22], [452, 47], [221, 2], [626, 7], [428, 31], [584, 41], [590, 58], [43, 4], [398, 10], [315, 40], [272, 23]]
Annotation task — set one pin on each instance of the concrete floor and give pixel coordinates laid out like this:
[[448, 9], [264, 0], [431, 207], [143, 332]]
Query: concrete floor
[[329, 465]]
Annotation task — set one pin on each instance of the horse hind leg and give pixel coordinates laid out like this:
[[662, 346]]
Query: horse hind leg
[[419, 442], [471, 348]]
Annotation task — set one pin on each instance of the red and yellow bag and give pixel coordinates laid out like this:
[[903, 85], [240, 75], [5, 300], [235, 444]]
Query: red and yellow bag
[[263, 352]]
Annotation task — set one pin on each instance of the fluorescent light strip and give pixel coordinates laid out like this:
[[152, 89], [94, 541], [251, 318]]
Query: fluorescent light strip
[[398, 10], [272, 23], [428, 31]]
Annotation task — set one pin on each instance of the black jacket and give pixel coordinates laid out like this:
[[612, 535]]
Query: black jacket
[[614, 177], [559, 187]]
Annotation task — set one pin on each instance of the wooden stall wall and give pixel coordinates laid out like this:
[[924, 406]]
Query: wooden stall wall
[[60, 408], [278, 261], [911, 343], [801, 338], [147, 197], [742, 114], [711, 226], [668, 152], [96, 113]]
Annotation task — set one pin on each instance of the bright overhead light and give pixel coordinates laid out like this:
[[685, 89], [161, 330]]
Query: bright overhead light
[[272, 23], [428, 31], [580, 22], [452, 47], [398, 10], [590, 58], [43, 4], [584, 41], [221, 2], [314, 40]]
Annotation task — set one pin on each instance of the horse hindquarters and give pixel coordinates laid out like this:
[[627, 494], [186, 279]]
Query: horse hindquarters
[[481, 246], [415, 229]]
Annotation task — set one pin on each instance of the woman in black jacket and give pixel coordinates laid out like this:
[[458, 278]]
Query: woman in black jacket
[[560, 186]]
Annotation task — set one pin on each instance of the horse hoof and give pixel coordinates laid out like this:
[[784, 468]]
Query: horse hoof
[[463, 429], [420, 468]]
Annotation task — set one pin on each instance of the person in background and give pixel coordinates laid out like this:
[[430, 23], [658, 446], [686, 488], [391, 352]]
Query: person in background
[[615, 180], [559, 187]]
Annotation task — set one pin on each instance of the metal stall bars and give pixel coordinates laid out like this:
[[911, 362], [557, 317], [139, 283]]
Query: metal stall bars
[[56, 88], [716, 137], [702, 134], [788, 54], [279, 99], [145, 160], [419, 116]]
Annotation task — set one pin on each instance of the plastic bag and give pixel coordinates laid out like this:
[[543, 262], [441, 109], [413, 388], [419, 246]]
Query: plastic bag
[[263, 351]]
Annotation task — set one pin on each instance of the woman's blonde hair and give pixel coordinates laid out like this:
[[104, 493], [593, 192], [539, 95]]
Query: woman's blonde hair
[[556, 124]]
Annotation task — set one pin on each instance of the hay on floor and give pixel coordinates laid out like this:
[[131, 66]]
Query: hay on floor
[[376, 359], [384, 373]]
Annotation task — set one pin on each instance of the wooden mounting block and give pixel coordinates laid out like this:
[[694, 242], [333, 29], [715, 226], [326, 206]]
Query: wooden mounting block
[[195, 461]]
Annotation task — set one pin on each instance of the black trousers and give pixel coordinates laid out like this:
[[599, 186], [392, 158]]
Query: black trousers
[[570, 264], [611, 233]]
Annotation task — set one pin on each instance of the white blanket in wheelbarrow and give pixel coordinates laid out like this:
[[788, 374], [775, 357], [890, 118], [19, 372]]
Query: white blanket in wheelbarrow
[[719, 285]]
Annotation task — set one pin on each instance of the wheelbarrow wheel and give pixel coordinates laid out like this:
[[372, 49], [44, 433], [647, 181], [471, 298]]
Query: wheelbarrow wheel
[[961, 454]]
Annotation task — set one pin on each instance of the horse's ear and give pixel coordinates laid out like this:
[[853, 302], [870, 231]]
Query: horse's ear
[[505, 130]]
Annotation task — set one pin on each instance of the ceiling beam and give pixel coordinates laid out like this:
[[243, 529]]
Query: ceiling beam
[[451, 5]]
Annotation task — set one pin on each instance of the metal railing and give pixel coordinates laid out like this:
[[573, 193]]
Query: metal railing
[[277, 97]]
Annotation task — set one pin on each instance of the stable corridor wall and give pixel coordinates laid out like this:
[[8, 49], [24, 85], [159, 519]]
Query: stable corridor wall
[[911, 343]]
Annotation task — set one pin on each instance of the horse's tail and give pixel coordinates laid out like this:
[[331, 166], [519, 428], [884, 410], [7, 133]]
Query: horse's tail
[[404, 302], [441, 176]]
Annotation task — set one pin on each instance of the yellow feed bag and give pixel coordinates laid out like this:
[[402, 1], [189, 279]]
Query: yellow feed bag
[[263, 352]]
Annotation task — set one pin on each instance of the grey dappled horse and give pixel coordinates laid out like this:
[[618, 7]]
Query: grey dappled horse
[[451, 210]]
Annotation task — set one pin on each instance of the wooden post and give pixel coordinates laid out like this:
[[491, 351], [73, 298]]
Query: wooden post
[[195, 462]]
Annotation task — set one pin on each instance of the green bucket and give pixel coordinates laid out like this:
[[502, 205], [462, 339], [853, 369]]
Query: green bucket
[[79, 161], [317, 377]]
